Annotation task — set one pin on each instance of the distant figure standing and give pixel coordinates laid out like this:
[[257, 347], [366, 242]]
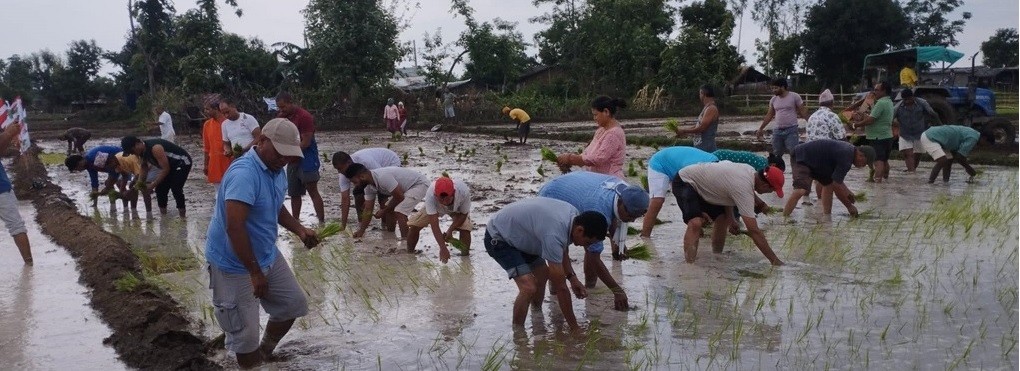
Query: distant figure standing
[[448, 99], [908, 77], [523, 123], [9, 204], [785, 107], [878, 129], [76, 138], [212, 144], [825, 124], [708, 121], [607, 149], [165, 124], [302, 176], [402, 117], [391, 115]]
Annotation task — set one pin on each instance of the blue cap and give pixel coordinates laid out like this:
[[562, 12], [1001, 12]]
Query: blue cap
[[635, 200]]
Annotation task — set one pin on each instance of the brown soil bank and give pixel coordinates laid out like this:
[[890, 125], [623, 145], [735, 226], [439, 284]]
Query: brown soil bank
[[150, 330]]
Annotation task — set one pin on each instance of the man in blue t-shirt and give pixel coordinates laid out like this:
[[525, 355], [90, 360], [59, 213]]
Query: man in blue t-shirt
[[102, 158], [662, 169], [241, 246], [616, 201], [9, 204]]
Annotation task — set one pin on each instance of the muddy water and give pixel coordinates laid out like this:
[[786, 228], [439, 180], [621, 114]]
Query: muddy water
[[926, 279], [45, 318]]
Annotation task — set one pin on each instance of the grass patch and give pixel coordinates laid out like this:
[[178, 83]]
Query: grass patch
[[48, 158], [127, 282]]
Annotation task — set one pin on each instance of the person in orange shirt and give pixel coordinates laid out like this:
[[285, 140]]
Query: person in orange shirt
[[215, 162]]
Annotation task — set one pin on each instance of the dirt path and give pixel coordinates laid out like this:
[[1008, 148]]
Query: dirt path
[[150, 330]]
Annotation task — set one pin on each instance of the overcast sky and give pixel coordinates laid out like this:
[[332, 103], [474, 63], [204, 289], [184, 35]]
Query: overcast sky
[[52, 24]]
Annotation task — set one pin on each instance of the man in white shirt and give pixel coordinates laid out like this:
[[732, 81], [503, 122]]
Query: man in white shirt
[[165, 124], [405, 187], [238, 128], [444, 197], [371, 158]]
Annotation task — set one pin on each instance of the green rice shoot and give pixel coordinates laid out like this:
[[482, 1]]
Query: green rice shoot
[[548, 154], [238, 151], [631, 231], [459, 245], [639, 252], [861, 196], [671, 125], [329, 230]]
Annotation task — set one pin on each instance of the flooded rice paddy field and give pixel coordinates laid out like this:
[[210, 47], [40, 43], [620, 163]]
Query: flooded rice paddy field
[[926, 278], [45, 318]]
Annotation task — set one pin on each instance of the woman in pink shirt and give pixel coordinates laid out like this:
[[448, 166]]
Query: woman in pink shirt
[[391, 115], [605, 153]]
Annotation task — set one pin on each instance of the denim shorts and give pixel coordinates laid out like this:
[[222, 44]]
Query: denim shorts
[[784, 139], [514, 261]]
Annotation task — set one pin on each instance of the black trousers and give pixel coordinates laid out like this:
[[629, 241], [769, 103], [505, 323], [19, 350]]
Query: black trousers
[[174, 183]]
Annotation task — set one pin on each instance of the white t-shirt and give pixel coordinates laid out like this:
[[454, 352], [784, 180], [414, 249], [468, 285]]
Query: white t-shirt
[[461, 200], [388, 179], [239, 131], [372, 158], [723, 183], [166, 126]]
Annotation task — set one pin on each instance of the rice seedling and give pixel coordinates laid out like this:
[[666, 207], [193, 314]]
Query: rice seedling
[[548, 154], [499, 166], [365, 140], [140, 185], [328, 230], [639, 252], [540, 170], [861, 196], [237, 150], [631, 231], [644, 182], [421, 152], [459, 245], [671, 125], [403, 159], [389, 145], [630, 170]]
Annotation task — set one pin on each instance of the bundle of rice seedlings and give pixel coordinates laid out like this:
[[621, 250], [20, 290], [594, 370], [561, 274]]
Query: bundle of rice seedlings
[[631, 171], [328, 230], [459, 245], [631, 231], [639, 252], [140, 185], [548, 154], [113, 195], [671, 125], [644, 182], [238, 151], [861, 196]]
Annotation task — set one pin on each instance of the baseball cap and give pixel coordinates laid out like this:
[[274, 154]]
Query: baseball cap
[[634, 198], [444, 186], [775, 178], [285, 137], [869, 153]]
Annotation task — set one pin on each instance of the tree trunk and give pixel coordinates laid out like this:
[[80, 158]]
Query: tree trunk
[[149, 65]]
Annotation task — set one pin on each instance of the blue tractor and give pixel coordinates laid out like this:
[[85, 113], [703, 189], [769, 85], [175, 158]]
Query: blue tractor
[[960, 105]]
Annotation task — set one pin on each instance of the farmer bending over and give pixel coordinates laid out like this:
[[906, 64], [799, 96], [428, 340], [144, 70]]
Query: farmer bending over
[[371, 158], [173, 162], [444, 197], [826, 161], [102, 158], [405, 188], [662, 169], [951, 143]]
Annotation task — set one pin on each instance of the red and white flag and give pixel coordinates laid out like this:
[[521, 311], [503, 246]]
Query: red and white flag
[[15, 112]]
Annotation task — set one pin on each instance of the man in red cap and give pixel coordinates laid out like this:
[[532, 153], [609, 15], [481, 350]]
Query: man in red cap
[[712, 190], [449, 197]]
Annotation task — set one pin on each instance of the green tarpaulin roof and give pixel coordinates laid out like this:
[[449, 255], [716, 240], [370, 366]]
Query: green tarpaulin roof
[[920, 54]]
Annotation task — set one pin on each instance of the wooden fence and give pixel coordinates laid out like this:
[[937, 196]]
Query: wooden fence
[[810, 100]]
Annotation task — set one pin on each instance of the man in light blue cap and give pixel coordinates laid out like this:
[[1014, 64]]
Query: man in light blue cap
[[619, 202]]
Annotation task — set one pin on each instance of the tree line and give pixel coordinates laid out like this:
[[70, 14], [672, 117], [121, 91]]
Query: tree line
[[615, 47]]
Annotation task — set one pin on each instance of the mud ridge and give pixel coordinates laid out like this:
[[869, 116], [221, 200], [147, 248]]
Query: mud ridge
[[150, 330]]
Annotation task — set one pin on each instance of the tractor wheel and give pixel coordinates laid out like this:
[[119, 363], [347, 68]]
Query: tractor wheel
[[1001, 129], [945, 111]]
